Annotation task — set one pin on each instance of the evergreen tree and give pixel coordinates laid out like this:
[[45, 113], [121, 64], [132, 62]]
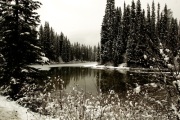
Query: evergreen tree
[[104, 39], [139, 49], [153, 25], [164, 25], [98, 53], [126, 24], [19, 35], [150, 38], [52, 45], [41, 34], [173, 36], [118, 46], [107, 33], [158, 29], [61, 43], [57, 48], [152, 32], [131, 43], [46, 39]]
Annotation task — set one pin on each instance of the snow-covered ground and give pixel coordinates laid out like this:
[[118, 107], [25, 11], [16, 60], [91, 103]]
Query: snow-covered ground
[[47, 67], [93, 65], [10, 110]]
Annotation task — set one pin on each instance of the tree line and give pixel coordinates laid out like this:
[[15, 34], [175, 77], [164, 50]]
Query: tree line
[[58, 48], [136, 37], [21, 44]]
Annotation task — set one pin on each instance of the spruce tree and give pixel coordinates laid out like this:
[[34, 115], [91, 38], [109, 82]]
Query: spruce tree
[[140, 46], [118, 46], [52, 45], [158, 22], [164, 25], [41, 34], [104, 40], [46, 39], [19, 35], [107, 33], [126, 21], [98, 53], [131, 42], [173, 36], [153, 24]]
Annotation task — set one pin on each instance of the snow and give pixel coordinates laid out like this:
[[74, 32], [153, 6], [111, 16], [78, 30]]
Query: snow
[[27, 33], [48, 67], [13, 3], [8, 31], [145, 57], [94, 65], [173, 107], [167, 50], [166, 58], [176, 84], [12, 106], [44, 68], [22, 34], [121, 67], [153, 85], [90, 65], [98, 67], [137, 89], [35, 46], [161, 51], [151, 67], [44, 59], [170, 66], [24, 70], [12, 110]]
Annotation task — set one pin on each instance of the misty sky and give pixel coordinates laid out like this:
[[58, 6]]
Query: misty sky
[[80, 20]]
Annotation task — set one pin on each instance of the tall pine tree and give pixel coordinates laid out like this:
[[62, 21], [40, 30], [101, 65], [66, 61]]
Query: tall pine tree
[[107, 33], [19, 35]]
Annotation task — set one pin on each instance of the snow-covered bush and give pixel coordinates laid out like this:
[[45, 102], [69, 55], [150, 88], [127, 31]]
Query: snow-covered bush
[[51, 99], [169, 80]]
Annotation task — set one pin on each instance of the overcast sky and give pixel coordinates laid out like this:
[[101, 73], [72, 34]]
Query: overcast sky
[[80, 20]]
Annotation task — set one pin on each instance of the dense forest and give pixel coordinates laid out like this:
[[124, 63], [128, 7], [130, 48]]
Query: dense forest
[[137, 37], [58, 48]]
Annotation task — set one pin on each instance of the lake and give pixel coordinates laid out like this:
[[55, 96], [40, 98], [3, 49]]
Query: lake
[[93, 80]]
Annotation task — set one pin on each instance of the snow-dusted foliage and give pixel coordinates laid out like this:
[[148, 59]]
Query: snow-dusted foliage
[[138, 34], [19, 45], [44, 59], [170, 82], [52, 100]]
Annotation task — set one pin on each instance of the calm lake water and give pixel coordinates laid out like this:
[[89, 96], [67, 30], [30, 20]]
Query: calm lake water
[[93, 80]]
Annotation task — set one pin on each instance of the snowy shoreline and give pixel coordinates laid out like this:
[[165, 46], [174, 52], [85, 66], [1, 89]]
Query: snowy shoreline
[[94, 65], [11, 110]]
